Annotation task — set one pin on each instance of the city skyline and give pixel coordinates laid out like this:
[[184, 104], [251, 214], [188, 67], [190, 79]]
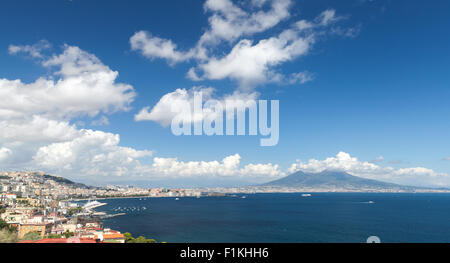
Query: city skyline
[[362, 88]]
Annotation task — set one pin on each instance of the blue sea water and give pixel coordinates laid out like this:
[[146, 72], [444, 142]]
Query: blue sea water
[[323, 217]]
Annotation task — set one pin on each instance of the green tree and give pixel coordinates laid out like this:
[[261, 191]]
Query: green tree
[[3, 224], [23, 202], [8, 236], [141, 239], [74, 210], [128, 238], [32, 236], [68, 234], [53, 236]]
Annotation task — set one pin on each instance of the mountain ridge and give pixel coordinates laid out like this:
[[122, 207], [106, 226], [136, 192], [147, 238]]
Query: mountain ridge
[[329, 179]]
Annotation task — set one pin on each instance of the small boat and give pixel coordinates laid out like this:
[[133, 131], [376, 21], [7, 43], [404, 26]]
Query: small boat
[[371, 202], [176, 199], [244, 197], [306, 195]]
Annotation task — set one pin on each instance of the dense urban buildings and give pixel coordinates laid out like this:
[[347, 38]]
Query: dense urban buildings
[[41, 208]]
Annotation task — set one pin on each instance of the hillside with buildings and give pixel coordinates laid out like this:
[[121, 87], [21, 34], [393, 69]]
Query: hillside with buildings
[[37, 207]]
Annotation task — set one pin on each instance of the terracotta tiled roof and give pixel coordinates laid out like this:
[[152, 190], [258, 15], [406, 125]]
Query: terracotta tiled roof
[[111, 236], [61, 240]]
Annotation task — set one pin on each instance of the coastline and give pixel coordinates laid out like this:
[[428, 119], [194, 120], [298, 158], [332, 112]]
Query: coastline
[[229, 194], [105, 198]]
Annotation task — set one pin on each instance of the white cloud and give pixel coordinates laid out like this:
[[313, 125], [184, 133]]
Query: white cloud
[[25, 135], [33, 50], [258, 3], [172, 167], [83, 86], [4, 154], [379, 159], [327, 17], [417, 176], [228, 167], [103, 120], [229, 22], [35, 129], [93, 153], [267, 170], [155, 47], [301, 77], [249, 62], [98, 154], [36, 133], [176, 104], [349, 32], [173, 104]]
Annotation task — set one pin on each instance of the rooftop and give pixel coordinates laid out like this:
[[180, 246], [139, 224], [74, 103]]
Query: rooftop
[[62, 240]]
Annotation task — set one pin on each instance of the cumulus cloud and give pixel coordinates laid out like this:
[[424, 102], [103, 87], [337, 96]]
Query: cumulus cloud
[[417, 176], [180, 104], [82, 85], [155, 47], [25, 135], [249, 62], [93, 153], [35, 128], [173, 104], [229, 22], [229, 166], [98, 154], [253, 63]]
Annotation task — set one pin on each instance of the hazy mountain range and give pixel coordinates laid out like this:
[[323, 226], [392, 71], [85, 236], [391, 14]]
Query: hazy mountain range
[[326, 181], [334, 180]]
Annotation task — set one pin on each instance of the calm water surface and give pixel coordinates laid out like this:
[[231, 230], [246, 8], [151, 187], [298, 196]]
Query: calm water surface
[[325, 217]]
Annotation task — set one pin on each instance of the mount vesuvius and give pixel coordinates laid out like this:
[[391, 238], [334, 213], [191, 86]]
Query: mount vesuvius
[[334, 180]]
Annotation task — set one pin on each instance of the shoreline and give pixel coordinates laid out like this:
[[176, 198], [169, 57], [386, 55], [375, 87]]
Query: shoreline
[[105, 198], [252, 193]]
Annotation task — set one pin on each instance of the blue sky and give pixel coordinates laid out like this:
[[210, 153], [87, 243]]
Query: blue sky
[[379, 94]]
